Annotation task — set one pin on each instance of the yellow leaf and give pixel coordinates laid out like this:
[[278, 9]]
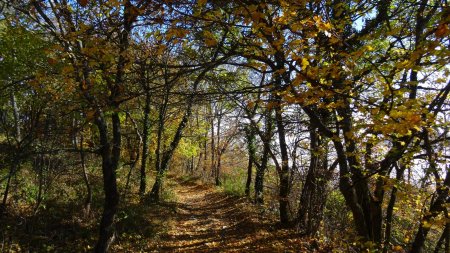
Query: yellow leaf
[[426, 224], [305, 63], [397, 248]]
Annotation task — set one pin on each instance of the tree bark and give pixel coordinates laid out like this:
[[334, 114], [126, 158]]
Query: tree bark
[[436, 207], [390, 209], [111, 153], [155, 192], [146, 130], [154, 195], [39, 168], [14, 161], [218, 150], [110, 161], [88, 200], [314, 192], [251, 148], [12, 170], [444, 238], [16, 115], [261, 168], [284, 173], [213, 146]]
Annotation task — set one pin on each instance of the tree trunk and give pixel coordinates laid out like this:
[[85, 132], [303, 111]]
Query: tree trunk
[[314, 192], [39, 168], [191, 165], [390, 210], [218, 166], [213, 147], [251, 157], [161, 165], [219, 152], [259, 177], [15, 108], [154, 195], [444, 238], [261, 168], [146, 130], [12, 170], [14, 160], [366, 209], [436, 207], [155, 192], [110, 161], [284, 173], [88, 200], [161, 118]]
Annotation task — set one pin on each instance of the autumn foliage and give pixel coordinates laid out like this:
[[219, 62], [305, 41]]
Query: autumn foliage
[[331, 116]]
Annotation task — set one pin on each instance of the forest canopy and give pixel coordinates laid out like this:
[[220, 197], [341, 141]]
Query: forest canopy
[[330, 115]]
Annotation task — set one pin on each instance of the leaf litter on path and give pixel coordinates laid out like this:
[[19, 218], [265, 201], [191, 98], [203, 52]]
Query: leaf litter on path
[[206, 220]]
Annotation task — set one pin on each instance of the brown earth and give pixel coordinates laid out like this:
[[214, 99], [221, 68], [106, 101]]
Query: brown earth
[[197, 218], [206, 220]]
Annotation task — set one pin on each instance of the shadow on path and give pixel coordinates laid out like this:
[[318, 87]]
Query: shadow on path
[[205, 220]]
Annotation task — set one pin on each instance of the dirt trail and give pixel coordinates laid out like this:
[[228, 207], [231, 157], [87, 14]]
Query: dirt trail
[[205, 220]]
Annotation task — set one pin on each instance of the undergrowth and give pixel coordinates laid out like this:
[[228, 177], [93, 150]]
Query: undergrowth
[[234, 183]]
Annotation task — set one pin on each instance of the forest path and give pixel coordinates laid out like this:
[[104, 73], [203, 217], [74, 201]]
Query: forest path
[[206, 220]]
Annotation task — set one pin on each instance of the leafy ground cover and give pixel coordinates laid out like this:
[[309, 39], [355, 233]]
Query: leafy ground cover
[[194, 217]]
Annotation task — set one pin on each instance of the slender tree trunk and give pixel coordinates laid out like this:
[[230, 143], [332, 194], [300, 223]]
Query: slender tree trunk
[[249, 177], [134, 156], [88, 200], [213, 147], [146, 130], [127, 184], [436, 208], [155, 192], [14, 161], [284, 173], [219, 164], [390, 210], [110, 161], [15, 108], [205, 155], [366, 211], [251, 157], [259, 177], [191, 165], [156, 189], [39, 167], [12, 170], [218, 151], [161, 165], [261, 168], [199, 161], [205, 149], [161, 119]]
